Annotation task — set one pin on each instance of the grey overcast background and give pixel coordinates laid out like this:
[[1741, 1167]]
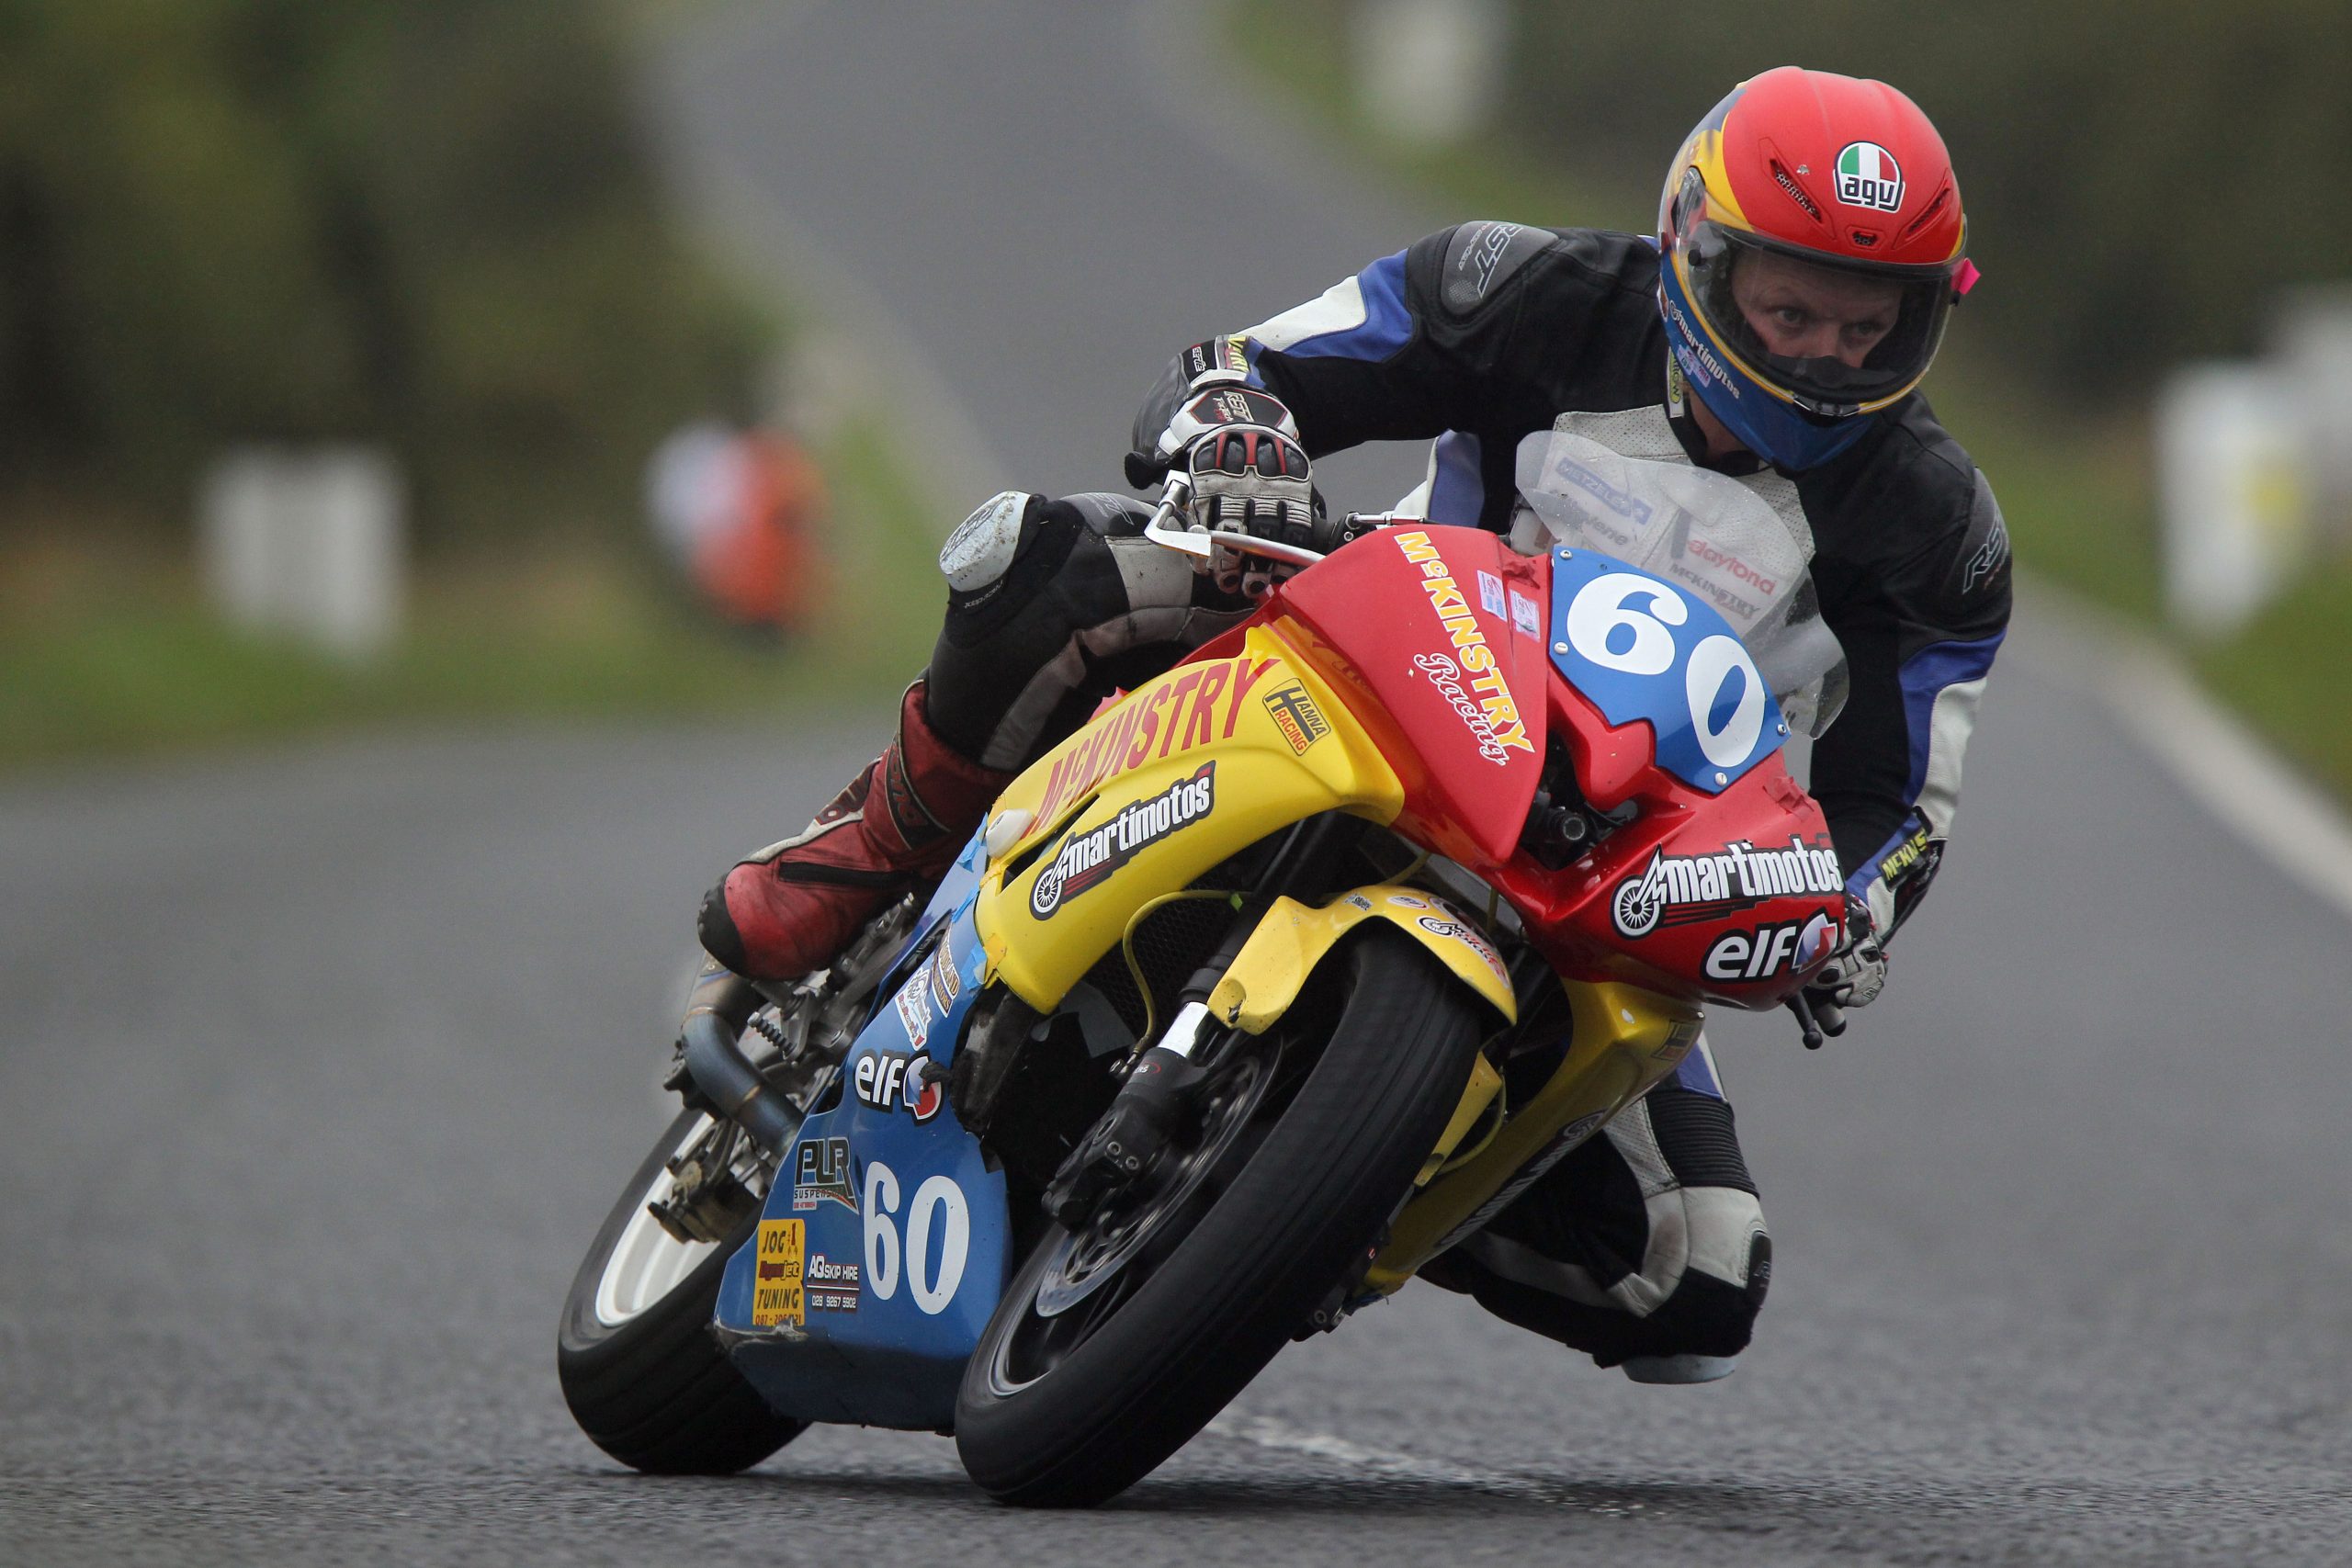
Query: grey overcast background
[[321, 1065]]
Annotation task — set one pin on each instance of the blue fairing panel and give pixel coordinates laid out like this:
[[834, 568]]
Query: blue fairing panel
[[1640, 648], [884, 1214]]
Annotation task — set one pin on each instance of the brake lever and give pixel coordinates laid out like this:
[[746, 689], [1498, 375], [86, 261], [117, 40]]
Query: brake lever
[[1163, 530], [1803, 1010]]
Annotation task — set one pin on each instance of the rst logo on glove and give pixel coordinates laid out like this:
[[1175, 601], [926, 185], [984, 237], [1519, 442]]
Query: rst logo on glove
[[1088, 858]]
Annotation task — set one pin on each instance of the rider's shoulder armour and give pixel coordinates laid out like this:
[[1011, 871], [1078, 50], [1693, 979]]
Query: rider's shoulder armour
[[1984, 559], [1481, 257]]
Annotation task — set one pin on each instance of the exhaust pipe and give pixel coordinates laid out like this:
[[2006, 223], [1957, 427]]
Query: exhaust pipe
[[715, 1015]]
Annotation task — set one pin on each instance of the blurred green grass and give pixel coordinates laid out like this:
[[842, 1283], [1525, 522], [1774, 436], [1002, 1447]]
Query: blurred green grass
[[107, 646], [2285, 673]]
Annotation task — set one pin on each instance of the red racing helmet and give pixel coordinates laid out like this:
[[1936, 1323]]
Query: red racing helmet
[[1835, 174]]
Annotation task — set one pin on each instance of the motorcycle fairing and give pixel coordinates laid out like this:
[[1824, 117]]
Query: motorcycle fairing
[[1267, 975], [885, 1215], [1185, 772], [1450, 684], [1642, 650], [1622, 1042]]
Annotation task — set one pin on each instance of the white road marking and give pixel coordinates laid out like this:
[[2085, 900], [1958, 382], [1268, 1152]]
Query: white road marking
[[1265, 1432], [2230, 770]]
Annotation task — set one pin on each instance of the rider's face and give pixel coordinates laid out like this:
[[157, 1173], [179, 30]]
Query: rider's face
[[1802, 311]]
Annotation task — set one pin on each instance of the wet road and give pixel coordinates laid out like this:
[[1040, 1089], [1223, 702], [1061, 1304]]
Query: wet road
[[317, 1067]]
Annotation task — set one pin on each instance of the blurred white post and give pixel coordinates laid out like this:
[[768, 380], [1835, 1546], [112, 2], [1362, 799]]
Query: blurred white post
[[309, 542], [2313, 347], [1429, 71], [2234, 488]]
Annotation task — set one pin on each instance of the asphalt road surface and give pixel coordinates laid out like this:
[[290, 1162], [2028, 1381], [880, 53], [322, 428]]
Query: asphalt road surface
[[317, 1067]]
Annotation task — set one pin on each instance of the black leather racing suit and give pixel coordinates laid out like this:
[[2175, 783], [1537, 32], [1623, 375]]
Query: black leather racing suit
[[1648, 1240]]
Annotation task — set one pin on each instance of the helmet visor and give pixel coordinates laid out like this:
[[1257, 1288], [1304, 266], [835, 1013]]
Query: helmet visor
[[1836, 337]]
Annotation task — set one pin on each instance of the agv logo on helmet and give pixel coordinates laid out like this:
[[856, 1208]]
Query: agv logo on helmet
[[1868, 176]]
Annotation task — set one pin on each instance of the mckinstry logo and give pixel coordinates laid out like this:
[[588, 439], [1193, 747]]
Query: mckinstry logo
[[1088, 858], [1679, 889], [1868, 176], [1488, 708]]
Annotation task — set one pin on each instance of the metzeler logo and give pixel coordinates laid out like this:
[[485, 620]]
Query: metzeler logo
[[1088, 858], [1868, 176], [1679, 889], [1625, 504]]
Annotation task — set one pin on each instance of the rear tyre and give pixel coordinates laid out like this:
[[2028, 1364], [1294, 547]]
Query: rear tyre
[[640, 1369], [1069, 1407]]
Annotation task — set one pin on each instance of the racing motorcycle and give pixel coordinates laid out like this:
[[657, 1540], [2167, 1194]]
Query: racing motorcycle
[[1425, 871]]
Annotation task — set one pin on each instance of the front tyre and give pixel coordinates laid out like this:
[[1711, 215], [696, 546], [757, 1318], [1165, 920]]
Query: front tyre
[[644, 1377], [1072, 1405]]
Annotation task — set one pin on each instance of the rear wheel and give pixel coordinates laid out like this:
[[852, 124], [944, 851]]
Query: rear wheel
[[1112, 1348], [640, 1369]]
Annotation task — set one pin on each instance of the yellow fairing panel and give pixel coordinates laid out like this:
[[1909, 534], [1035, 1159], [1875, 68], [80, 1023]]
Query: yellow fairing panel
[[1623, 1040], [1273, 965], [1188, 770]]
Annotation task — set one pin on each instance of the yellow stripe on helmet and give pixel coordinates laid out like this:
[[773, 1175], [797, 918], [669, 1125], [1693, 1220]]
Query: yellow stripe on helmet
[[1706, 155]]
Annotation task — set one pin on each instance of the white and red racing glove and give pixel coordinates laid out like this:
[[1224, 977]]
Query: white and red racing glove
[[1854, 975], [1249, 476]]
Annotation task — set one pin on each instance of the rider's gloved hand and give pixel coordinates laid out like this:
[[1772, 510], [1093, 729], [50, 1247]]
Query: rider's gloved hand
[[1250, 475], [1854, 975]]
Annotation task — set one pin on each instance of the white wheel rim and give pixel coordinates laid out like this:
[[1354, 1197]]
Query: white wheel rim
[[647, 1263]]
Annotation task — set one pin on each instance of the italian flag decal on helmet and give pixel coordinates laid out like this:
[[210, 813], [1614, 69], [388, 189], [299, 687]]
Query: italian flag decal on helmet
[[1868, 176]]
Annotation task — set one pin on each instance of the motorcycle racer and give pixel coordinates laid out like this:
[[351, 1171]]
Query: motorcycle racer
[[1810, 246]]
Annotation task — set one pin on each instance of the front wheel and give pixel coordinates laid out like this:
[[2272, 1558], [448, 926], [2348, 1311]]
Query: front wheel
[[1108, 1353], [640, 1369]]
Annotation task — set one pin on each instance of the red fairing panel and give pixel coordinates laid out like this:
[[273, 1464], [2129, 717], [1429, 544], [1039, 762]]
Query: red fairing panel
[[1737, 896], [1435, 638]]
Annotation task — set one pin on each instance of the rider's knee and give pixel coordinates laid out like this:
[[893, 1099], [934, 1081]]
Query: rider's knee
[[1712, 1308], [1023, 560]]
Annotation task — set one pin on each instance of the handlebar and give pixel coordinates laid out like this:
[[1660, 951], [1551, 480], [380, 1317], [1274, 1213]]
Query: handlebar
[[1166, 528]]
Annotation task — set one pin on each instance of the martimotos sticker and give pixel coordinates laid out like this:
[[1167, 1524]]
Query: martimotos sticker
[[1868, 176], [1087, 859]]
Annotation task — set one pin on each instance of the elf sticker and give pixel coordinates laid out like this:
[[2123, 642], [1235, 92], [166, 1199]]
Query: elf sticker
[[1868, 176]]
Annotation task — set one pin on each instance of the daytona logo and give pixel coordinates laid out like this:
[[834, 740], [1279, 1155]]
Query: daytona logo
[[1087, 859], [1680, 889]]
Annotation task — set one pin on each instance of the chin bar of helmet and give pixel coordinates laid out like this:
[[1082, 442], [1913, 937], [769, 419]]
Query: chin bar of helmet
[[1165, 529]]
